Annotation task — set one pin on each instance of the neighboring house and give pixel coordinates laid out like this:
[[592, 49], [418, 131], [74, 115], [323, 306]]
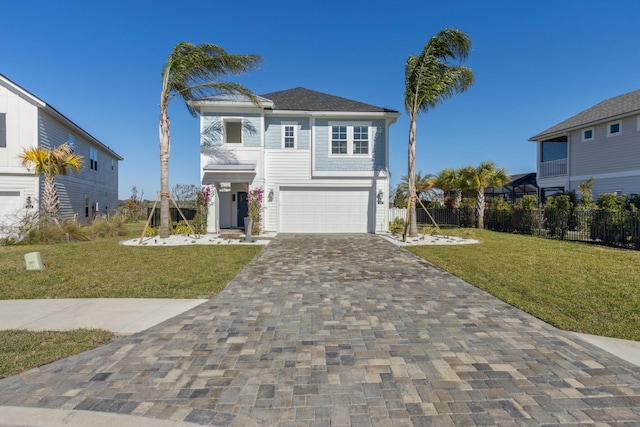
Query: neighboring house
[[602, 142], [27, 122], [322, 161], [520, 185]]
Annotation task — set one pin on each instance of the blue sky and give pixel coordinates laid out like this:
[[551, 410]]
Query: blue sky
[[536, 63]]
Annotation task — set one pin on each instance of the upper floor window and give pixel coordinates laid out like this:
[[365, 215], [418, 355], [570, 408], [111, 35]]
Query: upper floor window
[[360, 140], [3, 130], [587, 135], [352, 140], [614, 128], [113, 164], [233, 131], [72, 142], [93, 159], [338, 140], [289, 136]]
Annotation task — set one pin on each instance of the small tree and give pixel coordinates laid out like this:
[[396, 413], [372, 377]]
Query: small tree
[[50, 163], [134, 204], [486, 175], [185, 195], [399, 199]]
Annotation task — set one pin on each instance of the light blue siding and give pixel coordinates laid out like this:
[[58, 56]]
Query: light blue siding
[[273, 132], [323, 162], [212, 129]]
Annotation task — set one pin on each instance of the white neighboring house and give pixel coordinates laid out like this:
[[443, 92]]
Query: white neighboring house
[[322, 161], [26, 122], [602, 142]]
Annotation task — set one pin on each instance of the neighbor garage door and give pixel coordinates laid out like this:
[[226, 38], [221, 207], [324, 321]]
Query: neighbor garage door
[[325, 210], [10, 204]]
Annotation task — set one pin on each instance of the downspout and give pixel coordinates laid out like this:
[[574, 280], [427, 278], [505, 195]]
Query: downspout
[[568, 183]]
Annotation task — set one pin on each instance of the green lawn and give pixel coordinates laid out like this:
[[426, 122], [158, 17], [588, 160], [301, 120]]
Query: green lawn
[[23, 350], [104, 269], [573, 286]]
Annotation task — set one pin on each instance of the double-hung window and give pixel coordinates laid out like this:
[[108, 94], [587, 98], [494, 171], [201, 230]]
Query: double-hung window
[[289, 136], [360, 140], [350, 139], [93, 159], [3, 130], [338, 140]]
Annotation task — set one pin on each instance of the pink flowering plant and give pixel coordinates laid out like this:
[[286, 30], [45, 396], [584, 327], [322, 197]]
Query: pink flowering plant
[[203, 199], [254, 204]]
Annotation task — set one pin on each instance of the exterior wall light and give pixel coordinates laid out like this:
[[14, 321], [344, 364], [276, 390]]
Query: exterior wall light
[[380, 197], [270, 196]]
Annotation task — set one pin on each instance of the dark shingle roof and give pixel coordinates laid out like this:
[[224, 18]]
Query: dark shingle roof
[[301, 99], [617, 106]]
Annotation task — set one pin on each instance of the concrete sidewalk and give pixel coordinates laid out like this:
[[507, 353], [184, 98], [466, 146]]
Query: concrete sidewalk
[[122, 316]]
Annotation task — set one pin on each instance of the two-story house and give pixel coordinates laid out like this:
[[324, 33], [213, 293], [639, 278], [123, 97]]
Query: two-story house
[[321, 160], [602, 142], [26, 122]]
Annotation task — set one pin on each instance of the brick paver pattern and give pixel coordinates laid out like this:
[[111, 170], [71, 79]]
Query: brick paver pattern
[[340, 330]]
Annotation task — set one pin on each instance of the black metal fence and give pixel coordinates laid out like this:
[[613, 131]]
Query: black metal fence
[[175, 216], [619, 228]]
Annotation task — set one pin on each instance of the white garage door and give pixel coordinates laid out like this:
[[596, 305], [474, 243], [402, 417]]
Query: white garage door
[[10, 204], [325, 210]]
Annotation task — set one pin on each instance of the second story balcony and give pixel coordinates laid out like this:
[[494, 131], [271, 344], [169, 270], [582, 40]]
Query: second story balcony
[[553, 168]]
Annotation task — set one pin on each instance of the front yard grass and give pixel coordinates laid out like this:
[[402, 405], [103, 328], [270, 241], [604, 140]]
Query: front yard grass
[[574, 286], [22, 350], [104, 269]]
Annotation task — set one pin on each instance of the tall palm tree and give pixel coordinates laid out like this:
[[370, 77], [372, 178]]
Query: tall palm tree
[[486, 175], [50, 163], [429, 80], [194, 71]]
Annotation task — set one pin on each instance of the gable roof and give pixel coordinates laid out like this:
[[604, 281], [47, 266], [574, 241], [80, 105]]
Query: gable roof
[[43, 105], [618, 106], [302, 99]]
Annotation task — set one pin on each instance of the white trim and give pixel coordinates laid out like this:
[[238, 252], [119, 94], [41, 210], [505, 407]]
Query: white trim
[[349, 174], [619, 123], [584, 131], [283, 126], [609, 175]]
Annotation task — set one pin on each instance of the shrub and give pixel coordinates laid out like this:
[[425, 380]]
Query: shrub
[[110, 227], [48, 232], [396, 226], [181, 228]]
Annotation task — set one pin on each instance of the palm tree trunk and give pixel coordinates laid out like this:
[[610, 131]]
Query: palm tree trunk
[[164, 169], [413, 223], [480, 202], [50, 199], [458, 200]]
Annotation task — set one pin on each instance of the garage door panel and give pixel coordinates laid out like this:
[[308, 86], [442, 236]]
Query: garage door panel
[[325, 210]]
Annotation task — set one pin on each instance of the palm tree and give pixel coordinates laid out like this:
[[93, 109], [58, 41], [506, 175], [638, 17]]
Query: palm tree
[[485, 175], [452, 179], [194, 71], [423, 184], [429, 80], [50, 163]]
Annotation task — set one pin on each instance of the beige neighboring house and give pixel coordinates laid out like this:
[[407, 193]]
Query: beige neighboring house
[[602, 142], [25, 122]]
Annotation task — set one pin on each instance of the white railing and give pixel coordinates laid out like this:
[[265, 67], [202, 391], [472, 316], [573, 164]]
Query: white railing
[[553, 168]]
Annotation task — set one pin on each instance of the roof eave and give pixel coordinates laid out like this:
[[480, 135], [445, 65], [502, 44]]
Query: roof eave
[[563, 131]]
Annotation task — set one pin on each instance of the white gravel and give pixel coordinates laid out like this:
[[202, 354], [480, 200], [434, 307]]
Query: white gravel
[[181, 240], [428, 239]]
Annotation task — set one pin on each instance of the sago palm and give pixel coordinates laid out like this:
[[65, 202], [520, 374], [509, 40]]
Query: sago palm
[[195, 71], [429, 80], [50, 163]]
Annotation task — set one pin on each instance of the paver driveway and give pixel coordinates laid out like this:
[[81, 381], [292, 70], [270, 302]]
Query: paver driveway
[[344, 330]]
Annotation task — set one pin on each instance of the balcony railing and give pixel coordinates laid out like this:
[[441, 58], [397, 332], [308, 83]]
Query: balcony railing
[[553, 168]]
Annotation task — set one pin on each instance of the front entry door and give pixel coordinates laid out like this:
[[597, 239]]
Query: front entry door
[[243, 208]]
